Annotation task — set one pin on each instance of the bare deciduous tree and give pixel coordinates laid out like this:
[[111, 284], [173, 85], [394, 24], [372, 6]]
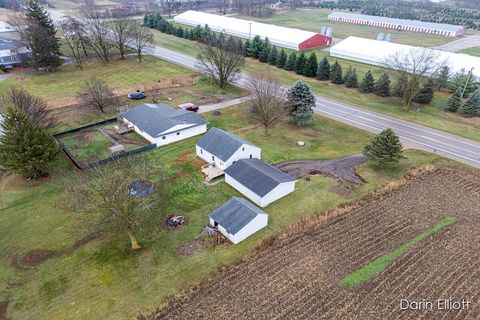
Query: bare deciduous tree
[[76, 39], [95, 24], [141, 38], [268, 99], [221, 59], [168, 5], [102, 201], [223, 5], [34, 107], [97, 94], [121, 28], [415, 67]]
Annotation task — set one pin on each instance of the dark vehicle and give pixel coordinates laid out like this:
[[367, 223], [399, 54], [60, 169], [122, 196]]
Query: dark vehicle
[[137, 95], [192, 108], [216, 113]]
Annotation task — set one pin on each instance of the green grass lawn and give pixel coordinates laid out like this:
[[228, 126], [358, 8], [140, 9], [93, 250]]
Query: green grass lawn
[[472, 51], [431, 115], [104, 280], [119, 74], [313, 19]]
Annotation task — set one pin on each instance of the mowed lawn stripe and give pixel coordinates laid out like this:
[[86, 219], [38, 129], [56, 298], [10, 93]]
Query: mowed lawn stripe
[[378, 265]]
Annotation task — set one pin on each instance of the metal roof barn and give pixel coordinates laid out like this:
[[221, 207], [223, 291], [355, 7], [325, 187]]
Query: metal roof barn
[[376, 52], [448, 30], [290, 38]]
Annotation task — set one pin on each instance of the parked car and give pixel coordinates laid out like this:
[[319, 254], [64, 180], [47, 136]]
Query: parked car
[[137, 95], [188, 106]]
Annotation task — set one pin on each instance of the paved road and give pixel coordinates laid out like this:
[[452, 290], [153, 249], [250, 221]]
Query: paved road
[[457, 45], [414, 135]]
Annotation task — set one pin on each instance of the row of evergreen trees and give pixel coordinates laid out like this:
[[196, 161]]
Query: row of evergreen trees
[[469, 108]]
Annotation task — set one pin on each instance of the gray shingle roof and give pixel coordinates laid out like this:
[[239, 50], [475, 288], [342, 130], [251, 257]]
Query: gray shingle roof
[[258, 176], [235, 214], [221, 144], [415, 23], [155, 119]]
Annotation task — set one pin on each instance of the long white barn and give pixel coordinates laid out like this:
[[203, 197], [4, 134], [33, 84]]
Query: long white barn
[[376, 52], [291, 38]]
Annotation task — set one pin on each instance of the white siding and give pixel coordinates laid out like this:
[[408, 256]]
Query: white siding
[[243, 190], [279, 192], [140, 132], [243, 152], [260, 222]]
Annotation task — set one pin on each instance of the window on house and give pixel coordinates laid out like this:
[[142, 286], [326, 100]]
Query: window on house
[[243, 149], [201, 151], [178, 133], [164, 137], [251, 156], [213, 158]]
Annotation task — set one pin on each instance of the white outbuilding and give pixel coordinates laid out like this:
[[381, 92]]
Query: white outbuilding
[[161, 124], [238, 219], [259, 181], [376, 52], [290, 38], [221, 148]]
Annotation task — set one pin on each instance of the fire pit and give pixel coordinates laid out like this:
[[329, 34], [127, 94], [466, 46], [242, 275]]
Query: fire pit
[[175, 221]]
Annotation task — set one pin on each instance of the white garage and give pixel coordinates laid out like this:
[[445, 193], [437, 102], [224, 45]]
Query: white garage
[[221, 148], [259, 181], [237, 219], [162, 124]]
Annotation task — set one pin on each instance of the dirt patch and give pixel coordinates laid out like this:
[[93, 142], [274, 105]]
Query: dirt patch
[[342, 169], [207, 100], [182, 158], [297, 276], [178, 175], [35, 257], [3, 310], [85, 240], [191, 247]]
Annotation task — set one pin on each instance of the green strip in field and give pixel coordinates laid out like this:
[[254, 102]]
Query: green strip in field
[[378, 265]]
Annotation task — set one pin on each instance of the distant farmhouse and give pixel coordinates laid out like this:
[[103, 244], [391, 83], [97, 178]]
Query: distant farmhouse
[[13, 53], [161, 124], [442, 29], [222, 149], [238, 219]]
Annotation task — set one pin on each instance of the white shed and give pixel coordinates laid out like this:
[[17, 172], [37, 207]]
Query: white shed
[[259, 181], [162, 124], [222, 148], [238, 219], [376, 52], [291, 38]]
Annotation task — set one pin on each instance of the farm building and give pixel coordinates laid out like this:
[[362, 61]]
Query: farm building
[[13, 53], [238, 219], [448, 30], [376, 52], [259, 181], [291, 38], [221, 148], [161, 124]]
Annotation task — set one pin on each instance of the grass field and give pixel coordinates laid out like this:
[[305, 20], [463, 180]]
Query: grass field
[[431, 115], [104, 280], [313, 19], [119, 74], [472, 51]]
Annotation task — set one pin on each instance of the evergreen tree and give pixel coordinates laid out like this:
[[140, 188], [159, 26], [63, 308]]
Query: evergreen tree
[[368, 83], [300, 63], [455, 101], [197, 32], [471, 107], [26, 148], [34, 12], [347, 74], [282, 59], [191, 34], [352, 80], [336, 75], [384, 148], [425, 95], [302, 101], [265, 51], [323, 72], [246, 48], [441, 80], [290, 65], [255, 47], [272, 57], [311, 66], [179, 32], [382, 86]]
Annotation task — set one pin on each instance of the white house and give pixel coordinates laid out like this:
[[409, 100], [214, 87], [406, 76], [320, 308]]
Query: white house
[[222, 148], [162, 124], [259, 181], [238, 219], [13, 53]]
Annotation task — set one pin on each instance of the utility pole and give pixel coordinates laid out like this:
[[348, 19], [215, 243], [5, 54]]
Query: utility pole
[[466, 82]]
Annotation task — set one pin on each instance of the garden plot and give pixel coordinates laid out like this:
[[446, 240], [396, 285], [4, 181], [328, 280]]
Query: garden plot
[[98, 142], [428, 228]]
